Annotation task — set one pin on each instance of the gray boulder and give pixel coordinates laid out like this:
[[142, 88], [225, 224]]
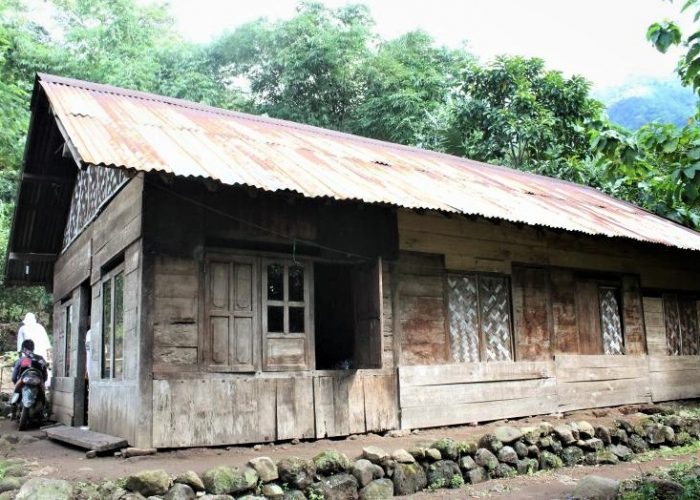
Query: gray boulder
[[433, 454], [592, 444], [664, 488], [572, 455], [521, 449], [467, 463], [149, 482], [408, 479], [272, 491], [585, 430], [374, 454], [549, 460], [490, 442], [296, 472], [484, 458], [265, 467], [606, 457], [656, 434], [331, 462], [563, 432], [508, 455], [402, 456], [533, 451], [596, 488], [294, 495], [365, 471], [179, 491], [503, 470], [10, 483], [637, 444], [603, 434], [191, 479], [379, 489], [507, 434], [337, 487], [227, 480], [618, 436], [527, 466], [478, 475], [40, 488], [621, 451], [448, 448], [441, 472]]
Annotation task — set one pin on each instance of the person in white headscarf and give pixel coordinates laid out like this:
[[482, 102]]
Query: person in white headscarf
[[32, 330]]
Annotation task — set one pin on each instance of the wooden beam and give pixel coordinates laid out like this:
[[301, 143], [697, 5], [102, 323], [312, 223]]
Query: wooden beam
[[32, 257], [46, 178]]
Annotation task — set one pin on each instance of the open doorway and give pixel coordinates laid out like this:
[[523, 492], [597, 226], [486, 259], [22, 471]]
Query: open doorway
[[347, 316]]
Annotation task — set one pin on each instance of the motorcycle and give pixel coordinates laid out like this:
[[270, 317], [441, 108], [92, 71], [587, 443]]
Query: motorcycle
[[30, 405]]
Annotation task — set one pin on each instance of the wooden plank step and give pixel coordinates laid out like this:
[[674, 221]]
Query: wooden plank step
[[88, 440]]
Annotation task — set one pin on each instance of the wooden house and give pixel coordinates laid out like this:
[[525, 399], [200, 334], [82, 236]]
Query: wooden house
[[246, 279]]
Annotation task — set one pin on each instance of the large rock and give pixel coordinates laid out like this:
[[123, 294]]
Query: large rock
[[365, 471], [585, 430], [213, 497], [527, 466], [564, 433], [149, 482], [549, 460], [272, 491], [606, 457], [294, 495], [447, 447], [603, 433], [433, 454], [531, 435], [503, 470], [374, 454], [593, 444], [402, 456], [507, 434], [331, 462], [637, 444], [191, 479], [10, 483], [621, 451], [266, 468], [296, 472], [40, 488], [478, 475], [179, 491], [533, 451], [408, 479], [490, 442], [618, 436], [467, 463], [520, 448], [226, 480], [508, 455], [572, 455], [379, 489], [656, 434], [596, 488], [337, 487], [439, 474], [664, 488], [484, 458]]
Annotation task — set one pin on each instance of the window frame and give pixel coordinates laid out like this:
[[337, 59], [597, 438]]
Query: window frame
[[110, 277], [477, 276]]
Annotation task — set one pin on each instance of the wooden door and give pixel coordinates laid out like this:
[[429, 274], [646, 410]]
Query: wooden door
[[367, 308], [231, 312]]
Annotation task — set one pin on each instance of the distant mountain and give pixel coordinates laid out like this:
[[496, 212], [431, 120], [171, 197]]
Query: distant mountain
[[643, 100]]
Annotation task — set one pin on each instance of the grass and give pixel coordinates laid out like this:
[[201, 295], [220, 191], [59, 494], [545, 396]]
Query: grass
[[686, 449], [683, 473]]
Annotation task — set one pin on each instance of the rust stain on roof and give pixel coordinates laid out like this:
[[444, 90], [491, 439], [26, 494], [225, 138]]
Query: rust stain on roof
[[128, 129]]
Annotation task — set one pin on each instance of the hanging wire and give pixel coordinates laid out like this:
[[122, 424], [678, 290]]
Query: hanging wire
[[267, 230]]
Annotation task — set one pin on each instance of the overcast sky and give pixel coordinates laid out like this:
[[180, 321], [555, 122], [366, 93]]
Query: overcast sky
[[603, 40]]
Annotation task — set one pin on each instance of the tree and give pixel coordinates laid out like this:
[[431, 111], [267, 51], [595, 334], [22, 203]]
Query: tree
[[306, 69], [514, 112]]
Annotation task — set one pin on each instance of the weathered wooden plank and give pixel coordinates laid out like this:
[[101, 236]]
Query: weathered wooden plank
[[496, 392], [655, 326], [164, 431], [633, 316], [82, 438], [423, 332], [677, 384], [295, 408], [74, 266], [324, 407], [565, 327], [381, 402], [673, 363], [564, 361], [588, 318], [113, 408], [532, 313], [474, 372]]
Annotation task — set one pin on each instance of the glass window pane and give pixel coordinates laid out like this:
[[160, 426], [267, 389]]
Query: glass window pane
[[118, 325], [107, 329], [275, 319], [69, 340], [296, 320], [275, 282], [296, 283]]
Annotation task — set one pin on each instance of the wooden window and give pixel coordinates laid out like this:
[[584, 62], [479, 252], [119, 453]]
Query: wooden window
[[479, 317], [610, 322], [681, 321], [68, 339], [231, 312], [286, 314], [113, 323]]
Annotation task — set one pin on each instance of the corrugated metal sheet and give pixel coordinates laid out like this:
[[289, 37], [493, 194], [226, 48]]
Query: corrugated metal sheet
[[145, 132]]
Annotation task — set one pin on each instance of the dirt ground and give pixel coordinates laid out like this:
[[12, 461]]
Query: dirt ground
[[52, 459]]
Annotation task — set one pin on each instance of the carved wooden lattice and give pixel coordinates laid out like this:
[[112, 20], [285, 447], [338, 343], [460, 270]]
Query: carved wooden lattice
[[688, 316], [495, 318], [93, 186], [610, 321], [672, 320], [464, 318]]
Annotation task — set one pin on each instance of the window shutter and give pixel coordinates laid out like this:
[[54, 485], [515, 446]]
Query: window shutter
[[231, 312], [610, 322], [494, 295], [463, 305]]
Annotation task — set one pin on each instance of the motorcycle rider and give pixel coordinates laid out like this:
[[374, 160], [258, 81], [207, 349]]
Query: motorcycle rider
[[27, 359]]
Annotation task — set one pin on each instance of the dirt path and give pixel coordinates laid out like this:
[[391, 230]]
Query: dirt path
[[60, 461]]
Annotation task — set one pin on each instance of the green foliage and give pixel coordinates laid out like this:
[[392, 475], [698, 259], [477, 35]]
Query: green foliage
[[456, 481], [439, 483]]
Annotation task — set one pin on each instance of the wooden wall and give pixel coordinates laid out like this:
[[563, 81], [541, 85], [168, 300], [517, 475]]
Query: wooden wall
[[219, 409], [432, 396], [674, 377]]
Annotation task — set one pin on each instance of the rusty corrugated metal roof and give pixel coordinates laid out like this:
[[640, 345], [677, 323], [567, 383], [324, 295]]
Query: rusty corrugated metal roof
[[145, 132]]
